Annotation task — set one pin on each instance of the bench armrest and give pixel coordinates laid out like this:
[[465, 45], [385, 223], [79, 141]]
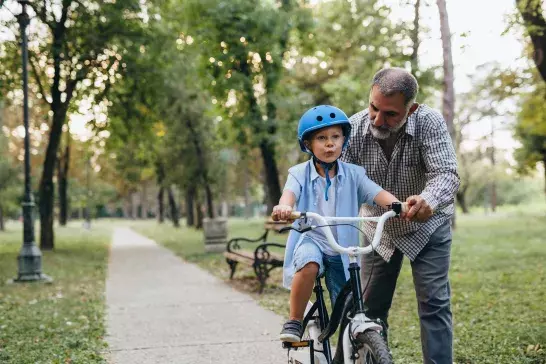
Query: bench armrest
[[261, 252], [233, 244]]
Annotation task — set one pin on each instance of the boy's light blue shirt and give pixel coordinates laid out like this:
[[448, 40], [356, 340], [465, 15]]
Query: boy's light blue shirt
[[353, 189]]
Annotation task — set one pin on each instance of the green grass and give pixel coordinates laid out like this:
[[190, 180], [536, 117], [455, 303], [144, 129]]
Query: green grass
[[497, 276], [62, 322], [498, 286]]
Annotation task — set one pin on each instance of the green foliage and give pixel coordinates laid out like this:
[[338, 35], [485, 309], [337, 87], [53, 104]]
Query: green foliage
[[10, 184], [350, 42], [526, 89], [152, 106], [511, 189], [60, 322], [531, 128], [243, 45], [80, 42]]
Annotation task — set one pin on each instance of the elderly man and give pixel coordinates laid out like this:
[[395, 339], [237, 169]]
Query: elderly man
[[406, 149]]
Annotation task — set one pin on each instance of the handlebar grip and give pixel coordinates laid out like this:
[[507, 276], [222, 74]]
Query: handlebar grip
[[400, 207], [295, 215]]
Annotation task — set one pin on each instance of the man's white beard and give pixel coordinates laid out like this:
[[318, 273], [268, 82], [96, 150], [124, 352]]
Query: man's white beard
[[386, 132]]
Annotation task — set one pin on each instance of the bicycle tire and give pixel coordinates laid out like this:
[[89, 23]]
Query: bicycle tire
[[373, 349]]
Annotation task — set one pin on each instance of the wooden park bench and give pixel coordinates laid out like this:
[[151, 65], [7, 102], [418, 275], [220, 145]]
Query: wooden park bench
[[262, 260]]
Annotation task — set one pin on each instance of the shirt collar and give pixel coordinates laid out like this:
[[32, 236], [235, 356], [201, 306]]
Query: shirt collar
[[410, 124], [315, 175]]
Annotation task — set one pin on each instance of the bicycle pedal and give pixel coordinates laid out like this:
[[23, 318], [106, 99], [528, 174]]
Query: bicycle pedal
[[296, 345]]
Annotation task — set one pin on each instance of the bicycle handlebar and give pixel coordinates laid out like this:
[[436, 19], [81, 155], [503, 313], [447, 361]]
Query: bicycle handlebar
[[323, 220]]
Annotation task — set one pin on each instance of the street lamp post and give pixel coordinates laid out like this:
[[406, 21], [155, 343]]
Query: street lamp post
[[30, 256]]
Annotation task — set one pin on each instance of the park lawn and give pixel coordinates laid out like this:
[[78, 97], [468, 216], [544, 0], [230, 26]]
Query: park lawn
[[61, 322], [497, 275]]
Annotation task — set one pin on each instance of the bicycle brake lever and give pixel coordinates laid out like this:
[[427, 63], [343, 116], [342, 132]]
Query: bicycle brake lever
[[301, 231], [396, 207]]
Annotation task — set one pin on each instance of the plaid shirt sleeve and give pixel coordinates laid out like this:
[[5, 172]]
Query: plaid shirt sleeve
[[440, 163]]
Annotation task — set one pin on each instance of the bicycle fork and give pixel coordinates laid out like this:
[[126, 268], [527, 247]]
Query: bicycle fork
[[359, 323]]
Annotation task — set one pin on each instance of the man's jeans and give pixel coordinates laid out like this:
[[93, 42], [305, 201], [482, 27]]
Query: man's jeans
[[430, 278]]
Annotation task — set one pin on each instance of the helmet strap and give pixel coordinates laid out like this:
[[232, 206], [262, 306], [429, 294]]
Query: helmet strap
[[327, 167]]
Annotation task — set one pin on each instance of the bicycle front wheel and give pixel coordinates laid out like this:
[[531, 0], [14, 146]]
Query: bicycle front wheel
[[372, 349]]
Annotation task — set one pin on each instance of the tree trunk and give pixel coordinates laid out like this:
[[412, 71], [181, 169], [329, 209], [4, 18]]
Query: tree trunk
[[415, 39], [62, 92], [203, 166], [62, 179], [273, 188], [461, 199], [134, 205], [174, 210], [129, 206], [531, 12], [493, 177], [144, 201], [160, 173], [2, 226], [160, 205], [448, 100], [544, 167], [126, 208], [190, 207], [47, 188], [267, 147], [200, 216]]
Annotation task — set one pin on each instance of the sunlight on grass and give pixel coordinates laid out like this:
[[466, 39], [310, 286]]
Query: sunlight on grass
[[62, 322]]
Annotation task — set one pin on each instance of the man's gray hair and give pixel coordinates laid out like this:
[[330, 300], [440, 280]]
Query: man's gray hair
[[393, 80]]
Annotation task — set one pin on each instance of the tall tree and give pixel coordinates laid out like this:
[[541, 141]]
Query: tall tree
[[448, 99], [243, 45], [63, 164], [531, 127], [415, 38], [533, 20], [77, 51]]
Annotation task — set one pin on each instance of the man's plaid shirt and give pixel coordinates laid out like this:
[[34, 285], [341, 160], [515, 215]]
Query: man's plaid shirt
[[423, 162]]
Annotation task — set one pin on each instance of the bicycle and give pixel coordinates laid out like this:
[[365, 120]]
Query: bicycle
[[361, 340]]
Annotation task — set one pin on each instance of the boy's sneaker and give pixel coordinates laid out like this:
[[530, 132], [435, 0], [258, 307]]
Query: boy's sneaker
[[292, 331]]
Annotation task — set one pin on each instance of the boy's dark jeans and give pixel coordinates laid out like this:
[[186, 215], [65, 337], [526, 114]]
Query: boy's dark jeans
[[430, 278]]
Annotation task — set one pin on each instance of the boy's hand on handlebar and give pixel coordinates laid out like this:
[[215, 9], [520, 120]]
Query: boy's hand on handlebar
[[282, 213]]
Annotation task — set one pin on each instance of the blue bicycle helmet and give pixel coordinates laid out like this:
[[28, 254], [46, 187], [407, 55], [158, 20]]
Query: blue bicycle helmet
[[320, 117], [317, 118]]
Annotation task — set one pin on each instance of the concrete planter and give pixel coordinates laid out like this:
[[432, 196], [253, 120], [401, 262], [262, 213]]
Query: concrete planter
[[215, 234]]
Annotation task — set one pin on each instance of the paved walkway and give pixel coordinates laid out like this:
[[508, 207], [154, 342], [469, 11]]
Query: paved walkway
[[164, 310]]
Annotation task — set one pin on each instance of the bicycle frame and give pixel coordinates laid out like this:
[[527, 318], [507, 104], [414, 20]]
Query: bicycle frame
[[359, 323]]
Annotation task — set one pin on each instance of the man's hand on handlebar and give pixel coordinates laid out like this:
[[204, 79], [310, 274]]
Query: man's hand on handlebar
[[419, 211]]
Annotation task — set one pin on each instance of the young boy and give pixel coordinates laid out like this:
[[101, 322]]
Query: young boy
[[331, 188]]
